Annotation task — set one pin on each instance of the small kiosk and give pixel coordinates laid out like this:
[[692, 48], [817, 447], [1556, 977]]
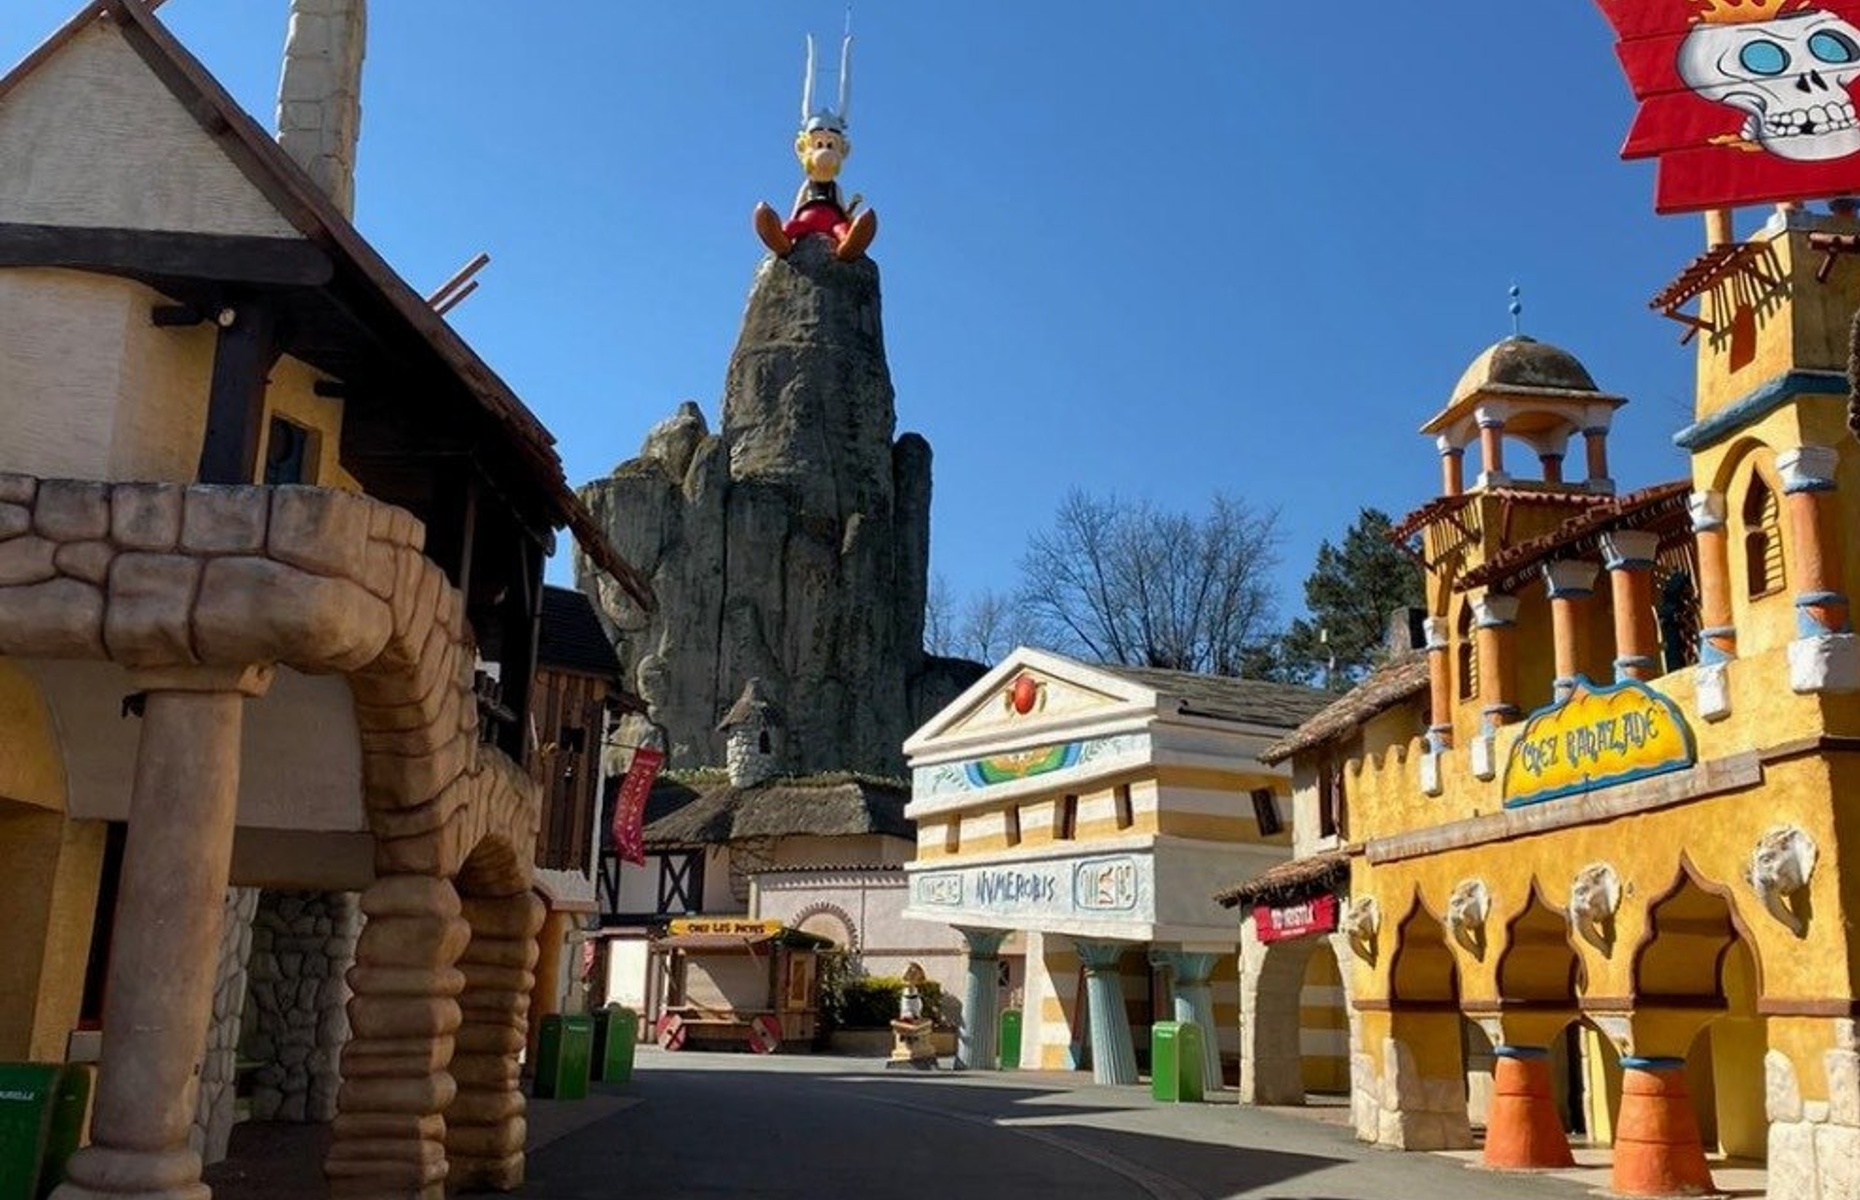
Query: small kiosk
[[732, 982]]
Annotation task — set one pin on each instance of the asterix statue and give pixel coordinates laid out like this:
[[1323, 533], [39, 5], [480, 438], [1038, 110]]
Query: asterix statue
[[822, 145]]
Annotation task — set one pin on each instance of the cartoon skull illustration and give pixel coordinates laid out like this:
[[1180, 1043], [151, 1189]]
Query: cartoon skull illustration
[[1790, 75]]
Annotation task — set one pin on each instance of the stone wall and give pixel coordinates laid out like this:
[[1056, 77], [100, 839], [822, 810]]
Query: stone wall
[[1814, 1145], [217, 1110], [303, 944]]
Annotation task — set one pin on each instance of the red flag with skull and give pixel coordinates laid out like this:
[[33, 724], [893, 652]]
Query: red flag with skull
[[1742, 101]]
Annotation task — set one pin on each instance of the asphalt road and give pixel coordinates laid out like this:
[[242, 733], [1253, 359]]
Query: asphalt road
[[704, 1125]]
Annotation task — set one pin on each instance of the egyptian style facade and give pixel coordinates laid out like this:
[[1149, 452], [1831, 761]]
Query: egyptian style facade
[[268, 529], [1079, 819], [1599, 845]]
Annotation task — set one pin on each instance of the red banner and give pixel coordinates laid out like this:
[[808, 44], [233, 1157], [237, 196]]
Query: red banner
[[629, 827], [1288, 921], [1742, 101]]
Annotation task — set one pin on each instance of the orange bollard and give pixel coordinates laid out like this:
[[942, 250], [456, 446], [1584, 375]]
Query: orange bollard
[[1657, 1150], [1522, 1129]]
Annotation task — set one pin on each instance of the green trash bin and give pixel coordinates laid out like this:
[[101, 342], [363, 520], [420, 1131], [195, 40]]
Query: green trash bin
[[616, 1033], [28, 1096], [1175, 1062], [1007, 1040], [564, 1053], [70, 1112]]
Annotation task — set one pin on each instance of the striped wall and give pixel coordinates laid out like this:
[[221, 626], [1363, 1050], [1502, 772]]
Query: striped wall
[[1324, 1027], [1203, 805]]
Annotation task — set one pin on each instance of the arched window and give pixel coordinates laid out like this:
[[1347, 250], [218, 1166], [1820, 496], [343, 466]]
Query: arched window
[[1467, 654], [1763, 550], [762, 742], [1678, 612]]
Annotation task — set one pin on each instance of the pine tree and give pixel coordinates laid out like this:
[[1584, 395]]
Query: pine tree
[[1350, 594]]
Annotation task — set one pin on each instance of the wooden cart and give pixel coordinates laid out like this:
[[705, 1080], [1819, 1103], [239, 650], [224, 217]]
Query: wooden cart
[[732, 983]]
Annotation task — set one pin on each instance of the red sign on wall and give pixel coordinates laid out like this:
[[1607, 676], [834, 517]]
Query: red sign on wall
[[1742, 101], [629, 827], [1282, 923]]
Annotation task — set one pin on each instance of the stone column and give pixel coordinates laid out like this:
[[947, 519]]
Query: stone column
[[1495, 616], [1717, 633], [1452, 467], [1821, 608], [1491, 446], [1189, 981], [1440, 685], [1571, 586], [1657, 1148], [485, 1125], [981, 1000], [1595, 442], [164, 954], [1523, 1131], [546, 992], [390, 1136], [1629, 555], [1113, 1055]]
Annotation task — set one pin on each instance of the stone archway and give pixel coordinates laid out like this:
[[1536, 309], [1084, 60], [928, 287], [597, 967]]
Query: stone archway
[[50, 862], [829, 921], [1695, 969], [1272, 986], [1538, 977], [200, 592], [1423, 1084]]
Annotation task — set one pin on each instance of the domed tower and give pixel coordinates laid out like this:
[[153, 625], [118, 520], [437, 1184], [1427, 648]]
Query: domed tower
[[1537, 394], [1529, 392]]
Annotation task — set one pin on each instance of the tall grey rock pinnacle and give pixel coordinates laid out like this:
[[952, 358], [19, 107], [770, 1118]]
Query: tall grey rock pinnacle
[[792, 547]]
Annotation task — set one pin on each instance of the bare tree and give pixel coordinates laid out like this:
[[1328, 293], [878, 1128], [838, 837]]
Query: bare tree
[[1125, 582], [939, 618], [991, 627]]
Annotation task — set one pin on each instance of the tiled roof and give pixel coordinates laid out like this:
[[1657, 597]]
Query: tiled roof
[[572, 636], [1282, 705], [1386, 686], [1637, 510]]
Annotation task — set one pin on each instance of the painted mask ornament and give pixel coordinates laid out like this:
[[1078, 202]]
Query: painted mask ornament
[[822, 146], [1743, 101]]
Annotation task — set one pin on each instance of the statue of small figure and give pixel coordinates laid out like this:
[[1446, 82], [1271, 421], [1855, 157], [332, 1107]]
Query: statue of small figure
[[913, 1045], [822, 146]]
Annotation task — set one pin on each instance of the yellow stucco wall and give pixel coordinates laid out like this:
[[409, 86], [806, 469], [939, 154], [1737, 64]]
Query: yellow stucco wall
[[291, 396], [32, 770], [1806, 326]]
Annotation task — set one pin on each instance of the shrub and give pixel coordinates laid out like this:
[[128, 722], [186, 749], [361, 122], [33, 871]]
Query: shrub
[[851, 1001]]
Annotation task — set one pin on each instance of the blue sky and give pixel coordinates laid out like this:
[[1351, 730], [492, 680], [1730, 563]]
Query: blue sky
[[1162, 249]]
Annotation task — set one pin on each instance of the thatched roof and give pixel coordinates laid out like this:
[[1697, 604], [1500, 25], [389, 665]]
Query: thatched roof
[[1290, 882], [703, 809], [1388, 685], [1281, 705]]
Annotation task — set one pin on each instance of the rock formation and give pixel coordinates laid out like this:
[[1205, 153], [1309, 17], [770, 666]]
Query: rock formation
[[794, 546]]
